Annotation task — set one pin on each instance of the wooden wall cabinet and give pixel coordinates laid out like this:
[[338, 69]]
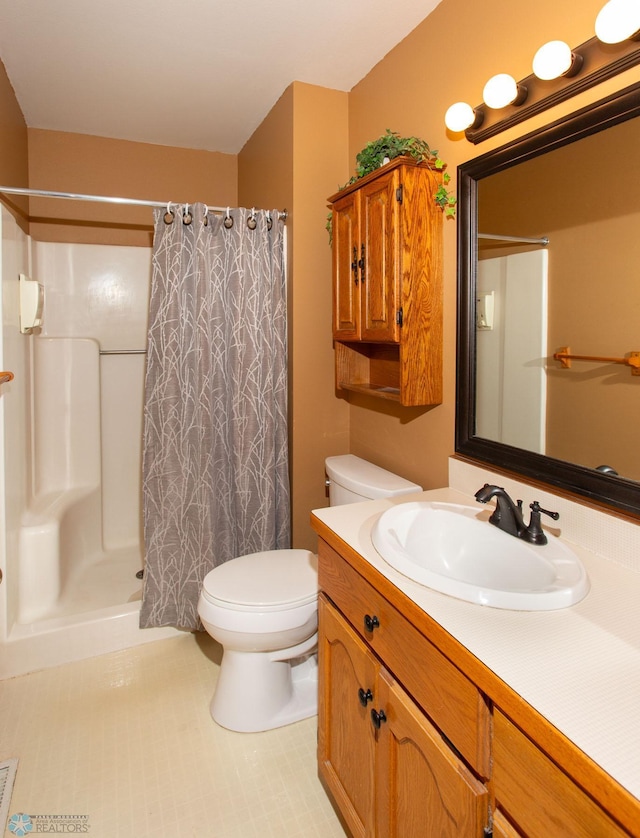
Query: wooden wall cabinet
[[387, 284], [390, 769]]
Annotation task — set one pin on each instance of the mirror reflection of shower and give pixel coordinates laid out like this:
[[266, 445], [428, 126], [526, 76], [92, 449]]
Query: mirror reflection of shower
[[511, 341]]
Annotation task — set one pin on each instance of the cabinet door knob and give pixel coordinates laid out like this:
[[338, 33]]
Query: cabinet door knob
[[370, 623], [378, 717], [365, 696]]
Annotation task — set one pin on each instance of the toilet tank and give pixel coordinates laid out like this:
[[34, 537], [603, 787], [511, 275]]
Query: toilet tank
[[352, 479]]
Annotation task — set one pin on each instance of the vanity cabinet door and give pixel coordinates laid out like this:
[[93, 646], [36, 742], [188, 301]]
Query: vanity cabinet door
[[346, 737], [424, 788]]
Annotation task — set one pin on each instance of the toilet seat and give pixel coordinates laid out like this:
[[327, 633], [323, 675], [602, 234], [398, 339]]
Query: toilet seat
[[267, 581]]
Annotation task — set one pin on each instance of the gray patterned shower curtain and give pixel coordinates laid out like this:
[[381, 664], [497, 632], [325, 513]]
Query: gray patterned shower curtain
[[215, 455]]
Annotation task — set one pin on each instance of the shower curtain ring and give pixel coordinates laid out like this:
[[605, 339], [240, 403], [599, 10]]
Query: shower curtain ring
[[269, 220], [169, 214], [206, 213], [251, 221], [228, 220], [187, 218]]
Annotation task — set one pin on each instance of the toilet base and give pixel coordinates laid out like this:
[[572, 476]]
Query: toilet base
[[257, 692]]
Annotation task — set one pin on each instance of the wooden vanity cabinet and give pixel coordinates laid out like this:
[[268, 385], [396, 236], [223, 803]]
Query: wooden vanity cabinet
[[387, 284], [452, 728], [390, 768]]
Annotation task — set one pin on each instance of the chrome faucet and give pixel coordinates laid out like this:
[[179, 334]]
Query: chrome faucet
[[508, 517]]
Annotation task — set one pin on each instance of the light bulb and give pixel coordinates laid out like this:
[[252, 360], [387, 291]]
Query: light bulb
[[618, 20], [500, 91], [459, 117], [552, 60]]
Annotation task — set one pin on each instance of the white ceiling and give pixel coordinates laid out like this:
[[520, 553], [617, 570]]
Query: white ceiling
[[192, 73]]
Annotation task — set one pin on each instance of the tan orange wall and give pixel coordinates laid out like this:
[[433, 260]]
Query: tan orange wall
[[88, 165], [265, 164], [14, 164], [296, 159], [320, 426], [448, 58]]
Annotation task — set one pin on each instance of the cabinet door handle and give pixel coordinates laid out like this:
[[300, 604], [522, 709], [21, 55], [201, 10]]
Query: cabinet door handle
[[371, 623], [365, 696], [378, 717], [354, 264], [361, 263]]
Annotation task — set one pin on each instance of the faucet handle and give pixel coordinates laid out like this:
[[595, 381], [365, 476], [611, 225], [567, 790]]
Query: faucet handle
[[535, 506], [535, 533]]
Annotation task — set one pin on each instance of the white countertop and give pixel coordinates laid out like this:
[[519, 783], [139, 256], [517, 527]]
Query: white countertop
[[579, 667]]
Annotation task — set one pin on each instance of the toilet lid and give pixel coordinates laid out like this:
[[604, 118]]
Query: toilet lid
[[271, 580]]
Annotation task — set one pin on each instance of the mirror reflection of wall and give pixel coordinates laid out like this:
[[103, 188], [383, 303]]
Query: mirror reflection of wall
[[584, 197]]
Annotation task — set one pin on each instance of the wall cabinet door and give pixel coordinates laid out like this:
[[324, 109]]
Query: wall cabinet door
[[388, 768], [379, 257], [346, 272], [365, 262]]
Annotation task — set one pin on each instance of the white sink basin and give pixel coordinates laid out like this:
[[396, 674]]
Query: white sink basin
[[453, 549]]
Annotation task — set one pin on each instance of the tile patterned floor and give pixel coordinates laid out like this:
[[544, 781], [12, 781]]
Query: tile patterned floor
[[126, 740]]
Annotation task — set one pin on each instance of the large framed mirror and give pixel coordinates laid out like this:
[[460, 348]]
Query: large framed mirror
[[549, 267]]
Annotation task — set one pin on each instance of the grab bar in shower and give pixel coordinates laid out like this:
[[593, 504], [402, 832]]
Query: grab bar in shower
[[6, 376], [565, 356], [123, 351]]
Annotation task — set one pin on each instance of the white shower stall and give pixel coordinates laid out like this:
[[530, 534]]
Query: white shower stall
[[70, 452]]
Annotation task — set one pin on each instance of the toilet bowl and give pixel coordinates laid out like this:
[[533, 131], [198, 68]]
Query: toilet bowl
[[263, 609]]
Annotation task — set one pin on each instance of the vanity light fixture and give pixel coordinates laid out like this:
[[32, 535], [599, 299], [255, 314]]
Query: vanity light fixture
[[558, 73]]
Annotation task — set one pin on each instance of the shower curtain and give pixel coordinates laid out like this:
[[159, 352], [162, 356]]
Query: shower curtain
[[215, 455]]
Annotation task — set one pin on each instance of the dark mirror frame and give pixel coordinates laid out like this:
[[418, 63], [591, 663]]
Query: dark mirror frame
[[605, 489]]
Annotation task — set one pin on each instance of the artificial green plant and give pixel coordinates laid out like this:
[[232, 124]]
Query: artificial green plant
[[391, 145]]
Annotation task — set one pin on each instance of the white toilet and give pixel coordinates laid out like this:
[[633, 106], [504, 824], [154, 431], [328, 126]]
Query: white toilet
[[263, 609]]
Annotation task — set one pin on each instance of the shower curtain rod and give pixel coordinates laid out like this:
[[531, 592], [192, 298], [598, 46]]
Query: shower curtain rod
[[46, 193], [544, 241]]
